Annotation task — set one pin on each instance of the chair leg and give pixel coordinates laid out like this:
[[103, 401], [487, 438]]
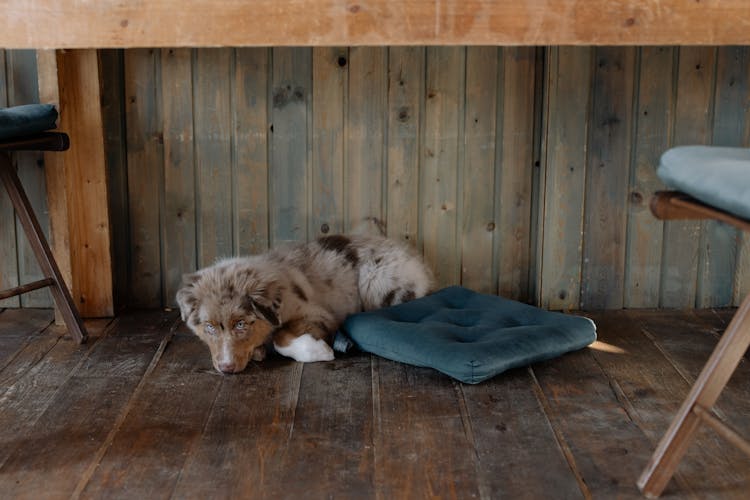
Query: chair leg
[[703, 395], [41, 249]]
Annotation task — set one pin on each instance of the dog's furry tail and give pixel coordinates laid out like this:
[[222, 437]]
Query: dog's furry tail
[[370, 226]]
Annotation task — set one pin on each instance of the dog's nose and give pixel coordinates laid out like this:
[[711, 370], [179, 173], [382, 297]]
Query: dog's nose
[[227, 367]]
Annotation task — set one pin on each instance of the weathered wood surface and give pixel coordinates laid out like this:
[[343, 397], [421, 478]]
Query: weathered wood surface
[[653, 111], [85, 182], [22, 68], [290, 119], [180, 150], [405, 114], [441, 169], [608, 174], [8, 245], [111, 419], [145, 160], [655, 392], [63, 408], [112, 71], [693, 107], [484, 74], [330, 88], [370, 22], [233, 151], [250, 160], [365, 135], [566, 115], [515, 195]]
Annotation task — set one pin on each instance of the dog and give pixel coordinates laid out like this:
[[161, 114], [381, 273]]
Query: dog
[[294, 298]]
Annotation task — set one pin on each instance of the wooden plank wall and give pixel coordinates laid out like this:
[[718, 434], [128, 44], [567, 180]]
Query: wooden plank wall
[[18, 85], [608, 115], [520, 171]]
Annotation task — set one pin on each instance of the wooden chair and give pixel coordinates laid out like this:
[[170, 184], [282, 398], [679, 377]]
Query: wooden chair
[[30, 139], [697, 407]]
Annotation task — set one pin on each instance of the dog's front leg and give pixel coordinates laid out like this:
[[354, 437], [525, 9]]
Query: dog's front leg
[[303, 341]]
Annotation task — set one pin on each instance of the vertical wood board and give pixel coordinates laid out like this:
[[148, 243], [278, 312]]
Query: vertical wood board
[[291, 92], [86, 182], [145, 159], [330, 68], [442, 162], [213, 153], [179, 227], [720, 243], [21, 89], [250, 158], [112, 70], [653, 118], [8, 245], [607, 178], [693, 109], [514, 163], [563, 184], [365, 135], [406, 67], [484, 70]]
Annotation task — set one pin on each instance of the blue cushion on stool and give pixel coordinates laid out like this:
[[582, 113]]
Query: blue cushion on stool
[[26, 120], [717, 176], [468, 335]]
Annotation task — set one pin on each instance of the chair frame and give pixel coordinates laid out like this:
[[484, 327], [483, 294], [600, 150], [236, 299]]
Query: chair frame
[[697, 407], [46, 141]]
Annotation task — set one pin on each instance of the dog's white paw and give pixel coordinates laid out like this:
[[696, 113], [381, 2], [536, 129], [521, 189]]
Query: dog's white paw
[[306, 349]]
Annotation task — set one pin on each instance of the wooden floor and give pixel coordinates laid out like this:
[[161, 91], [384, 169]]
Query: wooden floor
[[138, 412]]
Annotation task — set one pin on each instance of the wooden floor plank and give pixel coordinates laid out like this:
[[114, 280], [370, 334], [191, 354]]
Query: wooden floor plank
[[49, 454], [421, 446], [333, 419], [655, 389], [607, 447], [31, 382], [718, 320], [512, 437], [17, 327], [250, 424], [139, 412], [689, 355], [165, 418]]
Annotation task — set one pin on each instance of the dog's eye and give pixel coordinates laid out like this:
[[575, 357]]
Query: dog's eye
[[211, 329], [240, 325]]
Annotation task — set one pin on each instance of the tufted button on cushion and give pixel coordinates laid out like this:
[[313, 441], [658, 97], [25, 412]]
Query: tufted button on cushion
[[26, 120], [468, 335], [717, 176]]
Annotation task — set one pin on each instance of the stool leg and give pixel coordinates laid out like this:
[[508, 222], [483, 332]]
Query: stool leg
[[705, 392], [41, 249]]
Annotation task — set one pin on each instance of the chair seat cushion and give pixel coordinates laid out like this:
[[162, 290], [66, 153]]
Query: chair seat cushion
[[468, 335], [717, 176], [26, 120]]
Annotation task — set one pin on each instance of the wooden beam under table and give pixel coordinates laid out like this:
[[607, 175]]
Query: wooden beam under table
[[77, 180], [206, 23]]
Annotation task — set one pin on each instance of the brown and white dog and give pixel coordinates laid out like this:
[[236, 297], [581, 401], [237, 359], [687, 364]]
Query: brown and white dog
[[294, 298]]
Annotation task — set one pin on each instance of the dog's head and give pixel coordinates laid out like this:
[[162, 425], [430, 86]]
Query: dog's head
[[233, 307]]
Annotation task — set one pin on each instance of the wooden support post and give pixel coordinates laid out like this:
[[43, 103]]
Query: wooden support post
[[77, 180]]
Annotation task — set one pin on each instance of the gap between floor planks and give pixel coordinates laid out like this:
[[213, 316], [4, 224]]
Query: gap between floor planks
[[139, 411]]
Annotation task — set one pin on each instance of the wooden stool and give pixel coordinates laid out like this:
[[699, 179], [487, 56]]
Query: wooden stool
[[44, 141], [696, 409]]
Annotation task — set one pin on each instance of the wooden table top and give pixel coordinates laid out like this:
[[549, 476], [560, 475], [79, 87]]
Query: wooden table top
[[198, 23]]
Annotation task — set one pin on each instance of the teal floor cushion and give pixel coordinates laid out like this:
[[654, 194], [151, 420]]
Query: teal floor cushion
[[717, 176], [26, 120], [468, 335]]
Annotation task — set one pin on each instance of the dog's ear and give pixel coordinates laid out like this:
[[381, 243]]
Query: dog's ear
[[265, 303], [186, 296]]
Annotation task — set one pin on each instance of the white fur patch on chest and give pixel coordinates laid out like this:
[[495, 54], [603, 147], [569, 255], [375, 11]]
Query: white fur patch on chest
[[306, 349]]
